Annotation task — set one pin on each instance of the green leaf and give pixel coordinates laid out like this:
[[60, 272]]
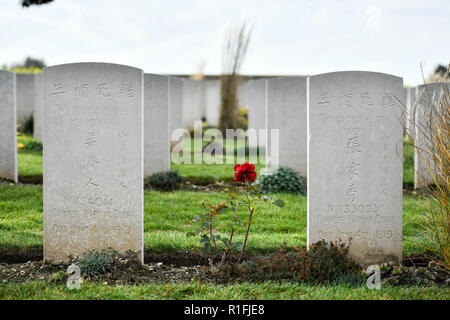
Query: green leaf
[[191, 234], [279, 203]]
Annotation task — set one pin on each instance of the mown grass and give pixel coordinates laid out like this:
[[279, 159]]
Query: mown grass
[[207, 291], [166, 214], [30, 163]]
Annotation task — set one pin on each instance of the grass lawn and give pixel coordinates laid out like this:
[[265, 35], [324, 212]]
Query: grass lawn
[[165, 217], [208, 291]]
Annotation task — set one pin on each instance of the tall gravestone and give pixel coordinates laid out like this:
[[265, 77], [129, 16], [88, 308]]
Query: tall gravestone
[[193, 102], [38, 108], [257, 105], [286, 112], [212, 101], [176, 103], [8, 136], [427, 107], [409, 121], [25, 96], [355, 151], [93, 159], [156, 124]]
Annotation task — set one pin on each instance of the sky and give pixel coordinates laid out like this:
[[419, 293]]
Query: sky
[[289, 37]]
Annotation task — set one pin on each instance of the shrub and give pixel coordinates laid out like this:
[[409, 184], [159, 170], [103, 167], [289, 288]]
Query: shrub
[[96, 262], [283, 179], [164, 181], [28, 125], [31, 145], [322, 262]]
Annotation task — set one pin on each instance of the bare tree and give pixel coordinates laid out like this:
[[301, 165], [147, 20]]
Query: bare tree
[[235, 48]]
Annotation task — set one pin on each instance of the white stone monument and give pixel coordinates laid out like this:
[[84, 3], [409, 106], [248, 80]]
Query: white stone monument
[[286, 112], [156, 124], [25, 83], [38, 108], [93, 159], [193, 102], [355, 152], [426, 108], [176, 103], [212, 101], [257, 105], [8, 136]]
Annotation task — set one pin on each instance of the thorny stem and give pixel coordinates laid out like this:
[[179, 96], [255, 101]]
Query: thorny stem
[[251, 210], [224, 255]]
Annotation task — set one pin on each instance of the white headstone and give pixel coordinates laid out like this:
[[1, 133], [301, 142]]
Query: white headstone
[[286, 111], [38, 108], [257, 105], [193, 102], [355, 151], [409, 117], [212, 101], [8, 135], [427, 106], [93, 159], [25, 96], [156, 124], [176, 103]]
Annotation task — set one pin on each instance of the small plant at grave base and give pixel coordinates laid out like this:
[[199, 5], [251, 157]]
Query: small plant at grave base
[[282, 179], [163, 181], [321, 262], [213, 242], [96, 263]]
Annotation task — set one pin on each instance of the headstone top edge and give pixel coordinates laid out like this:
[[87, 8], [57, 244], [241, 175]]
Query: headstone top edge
[[354, 72], [67, 65]]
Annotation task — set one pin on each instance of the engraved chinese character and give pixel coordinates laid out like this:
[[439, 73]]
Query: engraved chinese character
[[387, 99], [57, 88], [366, 99], [126, 90], [350, 194], [345, 99], [323, 97], [91, 183], [352, 145], [90, 140], [102, 89], [81, 91], [351, 169]]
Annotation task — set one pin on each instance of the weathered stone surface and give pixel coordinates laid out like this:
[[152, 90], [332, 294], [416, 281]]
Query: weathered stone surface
[[409, 116], [212, 101], [257, 105], [25, 83], [38, 112], [8, 136], [426, 108], [193, 102], [355, 151], [286, 111], [156, 124], [176, 103], [93, 159]]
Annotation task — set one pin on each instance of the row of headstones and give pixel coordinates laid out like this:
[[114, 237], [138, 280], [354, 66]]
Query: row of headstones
[[281, 103], [94, 154]]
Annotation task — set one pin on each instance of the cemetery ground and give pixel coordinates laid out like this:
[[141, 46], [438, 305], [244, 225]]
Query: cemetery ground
[[175, 265]]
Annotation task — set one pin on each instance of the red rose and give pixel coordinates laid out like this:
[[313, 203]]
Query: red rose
[[244, 172]]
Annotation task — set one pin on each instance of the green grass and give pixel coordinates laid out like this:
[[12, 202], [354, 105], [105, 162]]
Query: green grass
[[166, 214], [30, 164], [208, 291], [165, 217]]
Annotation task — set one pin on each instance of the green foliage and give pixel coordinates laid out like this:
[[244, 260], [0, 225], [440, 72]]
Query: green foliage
[[164, 181], [409, 276], [282, 179], [30, 145], [28, 125], [322, 262], [96, 262]]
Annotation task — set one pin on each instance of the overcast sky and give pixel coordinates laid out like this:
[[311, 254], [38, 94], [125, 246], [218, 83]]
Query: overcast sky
[[177, 37]]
